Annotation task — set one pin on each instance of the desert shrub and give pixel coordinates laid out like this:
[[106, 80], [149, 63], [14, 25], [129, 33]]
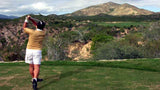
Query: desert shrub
[[3, 40], [152, 41], [12, 56], [71, 36], [44, 51], [116, 50], [60, 24], [152, 49], [12, 51], [153, 33], [57, 45], [55, 48], [133, 38]]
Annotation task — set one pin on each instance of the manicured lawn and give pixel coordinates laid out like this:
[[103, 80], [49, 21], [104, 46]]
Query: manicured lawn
[[140, 74], [122, 24]]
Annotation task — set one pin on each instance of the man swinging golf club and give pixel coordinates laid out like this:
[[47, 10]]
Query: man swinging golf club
[[33, 51]]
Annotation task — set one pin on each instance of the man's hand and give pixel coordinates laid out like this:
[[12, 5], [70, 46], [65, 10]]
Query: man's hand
[[26, 21], [28, 16]]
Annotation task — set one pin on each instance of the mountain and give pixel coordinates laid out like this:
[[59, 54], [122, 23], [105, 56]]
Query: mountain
[[97, 9], [7, 17], [127, 9], [111, 8]]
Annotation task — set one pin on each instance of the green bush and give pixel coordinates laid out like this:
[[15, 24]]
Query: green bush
[[128, 47], [3, 40], [69, 36], [116, 50], [58, 45], [133, 38], [153, 33], [152, 49], [100, 38], [152, 41], [44, 51]]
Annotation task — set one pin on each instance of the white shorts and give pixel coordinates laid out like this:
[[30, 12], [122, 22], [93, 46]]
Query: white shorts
[[33, 56]]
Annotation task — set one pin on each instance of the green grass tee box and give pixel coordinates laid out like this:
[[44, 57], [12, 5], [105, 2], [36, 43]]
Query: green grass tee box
[[139, 74]]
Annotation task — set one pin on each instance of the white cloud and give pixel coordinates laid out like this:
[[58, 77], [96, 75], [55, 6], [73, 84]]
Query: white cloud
[[7, 10], [40, 6]]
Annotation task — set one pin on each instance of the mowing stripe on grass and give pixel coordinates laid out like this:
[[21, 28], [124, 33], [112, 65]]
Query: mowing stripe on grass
[[138, 64]]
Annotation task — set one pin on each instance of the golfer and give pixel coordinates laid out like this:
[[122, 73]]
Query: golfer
[[33, 51]]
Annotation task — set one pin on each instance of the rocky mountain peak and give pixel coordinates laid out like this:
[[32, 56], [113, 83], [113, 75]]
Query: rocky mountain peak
[[111, 8]]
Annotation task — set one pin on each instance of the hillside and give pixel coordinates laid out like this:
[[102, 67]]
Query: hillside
[[74, 38], [111, 8]]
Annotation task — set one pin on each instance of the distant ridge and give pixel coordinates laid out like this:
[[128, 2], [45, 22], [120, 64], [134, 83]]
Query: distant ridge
[[111, 8], [7, 17]]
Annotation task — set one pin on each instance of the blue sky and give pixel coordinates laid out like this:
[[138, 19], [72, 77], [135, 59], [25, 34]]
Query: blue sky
[[46, 7]]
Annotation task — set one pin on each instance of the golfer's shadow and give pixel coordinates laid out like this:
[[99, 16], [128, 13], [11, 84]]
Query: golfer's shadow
[[58, 77]]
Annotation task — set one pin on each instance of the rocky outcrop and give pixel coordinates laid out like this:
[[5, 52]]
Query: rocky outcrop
[[79, 51]]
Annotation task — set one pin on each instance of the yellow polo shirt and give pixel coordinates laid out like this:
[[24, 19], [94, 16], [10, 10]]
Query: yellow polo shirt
[[35, 38]]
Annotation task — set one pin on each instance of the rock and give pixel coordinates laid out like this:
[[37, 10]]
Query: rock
[[79, 51]]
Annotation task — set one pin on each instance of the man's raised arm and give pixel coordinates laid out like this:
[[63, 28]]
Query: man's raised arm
[[25, 22]]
